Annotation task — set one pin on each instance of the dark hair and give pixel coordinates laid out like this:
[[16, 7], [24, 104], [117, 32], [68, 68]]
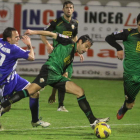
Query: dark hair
[[138, 18], [85, 38], [67, 2], [8, 32]]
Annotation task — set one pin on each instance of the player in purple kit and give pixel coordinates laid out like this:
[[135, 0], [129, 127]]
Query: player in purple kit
[[10, 81]]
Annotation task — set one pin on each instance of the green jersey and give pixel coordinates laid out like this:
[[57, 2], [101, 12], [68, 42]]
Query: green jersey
[[62, 26], [131, 42], [62, 56]]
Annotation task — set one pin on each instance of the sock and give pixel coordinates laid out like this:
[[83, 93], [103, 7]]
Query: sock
[[84, 105], [34, 107], [15, 97], [124, 108], [61, 96]]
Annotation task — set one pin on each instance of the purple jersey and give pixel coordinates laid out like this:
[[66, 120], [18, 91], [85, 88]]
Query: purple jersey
[[9, 53]]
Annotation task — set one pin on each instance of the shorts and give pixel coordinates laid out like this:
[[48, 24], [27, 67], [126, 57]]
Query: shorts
[[50, 77], [131, 87], [17, 84], [70, 70]]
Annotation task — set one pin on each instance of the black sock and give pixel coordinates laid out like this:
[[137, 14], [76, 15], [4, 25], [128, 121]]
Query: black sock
[[84, 105], [124, 108], [61, 96], [16, 97]]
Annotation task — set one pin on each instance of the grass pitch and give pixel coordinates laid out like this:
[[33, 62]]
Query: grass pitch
[[105, 98]]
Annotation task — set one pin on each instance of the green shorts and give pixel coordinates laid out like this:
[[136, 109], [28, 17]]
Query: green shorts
[[131, 87], [49, 77], [70, 70]]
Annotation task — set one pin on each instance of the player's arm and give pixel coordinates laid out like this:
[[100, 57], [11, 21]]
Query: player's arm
[[27, 41], [112, 40], [47, 44], [44, 33]]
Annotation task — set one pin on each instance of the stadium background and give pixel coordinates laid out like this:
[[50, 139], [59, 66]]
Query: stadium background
[[96, 18]]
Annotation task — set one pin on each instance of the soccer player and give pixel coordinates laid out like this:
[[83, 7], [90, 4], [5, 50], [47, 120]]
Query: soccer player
[[131, 65], [52, 71], [67, 26], [10, 81]]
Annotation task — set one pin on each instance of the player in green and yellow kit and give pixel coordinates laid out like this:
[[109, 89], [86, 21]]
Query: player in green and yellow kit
[[131, 63], [67, 26], [51, 73]]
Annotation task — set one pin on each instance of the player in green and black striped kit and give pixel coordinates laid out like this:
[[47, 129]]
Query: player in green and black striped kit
[[51, 73], [67, 26], [131, 63]]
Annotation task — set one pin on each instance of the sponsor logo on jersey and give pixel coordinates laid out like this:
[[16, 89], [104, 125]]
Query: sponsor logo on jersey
[[63, 36], [72, 26], [41, 80], [117, 32]]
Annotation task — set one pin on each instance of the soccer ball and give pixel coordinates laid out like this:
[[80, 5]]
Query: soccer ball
[[102, 130]]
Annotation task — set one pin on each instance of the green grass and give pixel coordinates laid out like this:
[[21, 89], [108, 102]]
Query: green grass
[[105, 98]]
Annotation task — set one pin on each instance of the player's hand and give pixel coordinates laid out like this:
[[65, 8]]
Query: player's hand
[[26, 40], [51, 99], [29, 32], [81, 57], [49, 48], [120, 55]]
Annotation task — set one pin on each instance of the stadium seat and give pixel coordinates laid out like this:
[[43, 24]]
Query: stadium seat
[[113, 3], [133, 4], [54, 2], [93, 3]]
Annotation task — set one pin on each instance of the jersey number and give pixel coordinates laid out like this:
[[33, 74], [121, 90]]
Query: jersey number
[[2, 58]]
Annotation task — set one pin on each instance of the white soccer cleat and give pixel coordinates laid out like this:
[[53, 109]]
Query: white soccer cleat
[[103, 119], [40, 123], [94, 124], [98, 121], [62, 108]]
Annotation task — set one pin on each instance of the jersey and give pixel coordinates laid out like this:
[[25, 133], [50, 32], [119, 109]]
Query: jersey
[[9, 53], [62, 56], [131, 42], [62, 26]]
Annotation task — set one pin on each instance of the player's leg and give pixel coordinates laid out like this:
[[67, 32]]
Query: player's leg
[[34, 107], [72, 88], [61, 96], [131, 90], [39, 83]]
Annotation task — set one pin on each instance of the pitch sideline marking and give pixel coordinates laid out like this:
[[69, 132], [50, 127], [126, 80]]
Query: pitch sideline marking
[[57, 127]]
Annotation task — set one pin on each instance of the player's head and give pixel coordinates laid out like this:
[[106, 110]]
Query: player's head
[[83, 44], [68, 8], [11, 35]]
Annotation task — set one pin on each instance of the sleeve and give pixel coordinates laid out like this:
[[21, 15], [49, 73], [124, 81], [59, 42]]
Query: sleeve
[[19, 52], [76, 29], [119, 35], [50, 26], [63, 39]]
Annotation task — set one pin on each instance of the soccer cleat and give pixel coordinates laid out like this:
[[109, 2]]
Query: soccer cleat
[[40, 123], [62, 108], [99, 120], [94, 124], [120, 114], [103, 119]]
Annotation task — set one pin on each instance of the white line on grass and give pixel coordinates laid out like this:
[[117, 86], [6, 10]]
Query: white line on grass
[[57, 127]]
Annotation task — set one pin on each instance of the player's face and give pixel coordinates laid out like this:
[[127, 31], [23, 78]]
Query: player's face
[[139, 26], [15, 38], [68, 10], [83, 47]]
